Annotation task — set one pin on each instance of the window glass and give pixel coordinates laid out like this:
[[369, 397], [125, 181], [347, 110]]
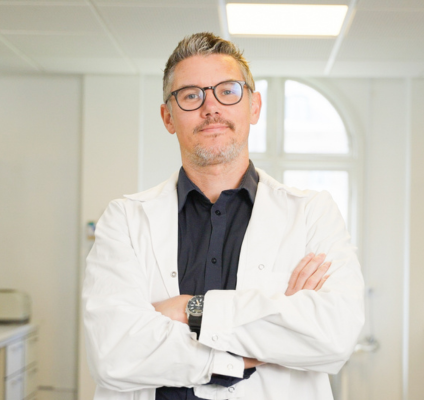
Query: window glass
[[257, 136], [311, 124], [335, 182]]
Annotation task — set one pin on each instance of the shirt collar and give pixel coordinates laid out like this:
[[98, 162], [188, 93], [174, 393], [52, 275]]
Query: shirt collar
[[185, 185]]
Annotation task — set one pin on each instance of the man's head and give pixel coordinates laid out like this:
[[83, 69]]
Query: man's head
[[208, 71], [203, 44]]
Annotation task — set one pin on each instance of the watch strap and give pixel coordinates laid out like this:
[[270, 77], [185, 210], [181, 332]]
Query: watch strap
[[195, 324]]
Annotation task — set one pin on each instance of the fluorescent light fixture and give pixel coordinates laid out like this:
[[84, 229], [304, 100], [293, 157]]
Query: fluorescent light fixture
[[285, 19]]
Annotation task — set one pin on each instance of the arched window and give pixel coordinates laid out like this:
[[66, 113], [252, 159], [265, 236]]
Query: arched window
[[302, 140]]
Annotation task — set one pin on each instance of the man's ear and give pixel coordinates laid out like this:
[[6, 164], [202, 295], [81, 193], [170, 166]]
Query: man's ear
[[255, 107], [167, 118]]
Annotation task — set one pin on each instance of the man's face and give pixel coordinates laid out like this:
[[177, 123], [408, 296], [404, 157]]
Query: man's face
[[214, 133]]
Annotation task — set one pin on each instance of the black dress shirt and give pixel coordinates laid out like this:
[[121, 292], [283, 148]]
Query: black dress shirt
[[209, 243]]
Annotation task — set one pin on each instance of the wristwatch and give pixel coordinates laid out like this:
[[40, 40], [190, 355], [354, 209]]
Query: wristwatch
[[194, 312]]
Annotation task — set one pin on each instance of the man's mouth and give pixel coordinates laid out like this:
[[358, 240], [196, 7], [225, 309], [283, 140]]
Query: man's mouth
[[213, 126]]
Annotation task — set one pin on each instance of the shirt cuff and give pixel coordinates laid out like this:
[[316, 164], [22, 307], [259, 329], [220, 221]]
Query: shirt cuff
[[217, 392], [217, 319], [227, 381], [227, 364]]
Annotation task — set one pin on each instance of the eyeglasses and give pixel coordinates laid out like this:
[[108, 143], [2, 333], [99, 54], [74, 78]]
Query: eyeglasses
[[191, 98]]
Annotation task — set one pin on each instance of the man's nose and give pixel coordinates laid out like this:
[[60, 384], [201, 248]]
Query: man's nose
[[211, 106]]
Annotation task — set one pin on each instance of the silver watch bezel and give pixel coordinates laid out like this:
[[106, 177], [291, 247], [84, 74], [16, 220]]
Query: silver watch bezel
[[194, 314]]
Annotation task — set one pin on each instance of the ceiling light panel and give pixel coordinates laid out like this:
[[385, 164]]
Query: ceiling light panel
[[266, 48], [285, 19]]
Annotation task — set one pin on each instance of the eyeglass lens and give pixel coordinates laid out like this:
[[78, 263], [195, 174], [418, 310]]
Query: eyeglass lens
[[226, 93]]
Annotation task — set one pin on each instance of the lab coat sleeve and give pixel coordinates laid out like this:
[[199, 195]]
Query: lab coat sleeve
[[129, 345], [311, 330]]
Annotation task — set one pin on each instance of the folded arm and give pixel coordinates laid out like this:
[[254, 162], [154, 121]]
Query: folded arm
[[310, 330], [129, 345]]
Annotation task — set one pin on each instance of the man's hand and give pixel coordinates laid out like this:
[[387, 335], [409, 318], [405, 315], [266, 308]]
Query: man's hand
[[174, 308], [251, 362], [309, 274]]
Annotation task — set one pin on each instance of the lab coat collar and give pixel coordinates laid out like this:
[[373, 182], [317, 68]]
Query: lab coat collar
[[170, 185]]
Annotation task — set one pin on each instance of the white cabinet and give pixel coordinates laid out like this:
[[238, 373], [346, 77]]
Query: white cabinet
[[2, 371], [19, 360], [14, 387], [15, 357]]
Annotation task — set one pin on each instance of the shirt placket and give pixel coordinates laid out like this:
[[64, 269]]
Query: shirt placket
[[213, 278]]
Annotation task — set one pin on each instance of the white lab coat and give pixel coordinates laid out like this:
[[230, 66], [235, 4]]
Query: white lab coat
[[132, 349]]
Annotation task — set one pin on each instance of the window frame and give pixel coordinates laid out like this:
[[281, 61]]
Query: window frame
[[276, 161]]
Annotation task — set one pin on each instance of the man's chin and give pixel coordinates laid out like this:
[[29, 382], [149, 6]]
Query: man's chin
[[205, 156]]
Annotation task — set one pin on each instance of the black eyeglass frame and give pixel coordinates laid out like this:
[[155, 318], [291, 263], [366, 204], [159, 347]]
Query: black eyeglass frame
[[241, 83]]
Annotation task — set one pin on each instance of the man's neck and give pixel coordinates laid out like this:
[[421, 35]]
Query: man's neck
[[213, 179]]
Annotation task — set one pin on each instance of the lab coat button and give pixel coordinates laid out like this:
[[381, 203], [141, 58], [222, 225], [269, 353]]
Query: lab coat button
[[230, 366], [261, 266], [214, 338], [173, 274], [231, 389]]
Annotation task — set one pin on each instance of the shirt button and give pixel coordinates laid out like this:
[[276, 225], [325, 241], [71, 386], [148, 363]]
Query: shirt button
[[231, 389], [217, 212], [213, 260], [261, 266], [230, 366], [214, 338], [173, 274]]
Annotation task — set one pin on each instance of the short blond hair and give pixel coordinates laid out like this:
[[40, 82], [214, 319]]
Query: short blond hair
[[204, 44]]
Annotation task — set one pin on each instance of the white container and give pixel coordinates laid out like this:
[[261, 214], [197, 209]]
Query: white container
[[15, 307]]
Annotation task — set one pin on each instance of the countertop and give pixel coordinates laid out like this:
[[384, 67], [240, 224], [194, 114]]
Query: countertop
[[10, 333]]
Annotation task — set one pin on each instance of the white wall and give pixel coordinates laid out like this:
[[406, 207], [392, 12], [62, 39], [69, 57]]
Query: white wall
[[381, 107], [160, 155], [110, 140], [416, 317], [39, 179], [389, 119]]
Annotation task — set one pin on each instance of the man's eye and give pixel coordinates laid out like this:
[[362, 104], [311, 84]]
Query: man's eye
[[227, 92], [191, 96]]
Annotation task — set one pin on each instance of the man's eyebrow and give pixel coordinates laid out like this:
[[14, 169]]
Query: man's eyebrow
[[196, 85], [187, 85]]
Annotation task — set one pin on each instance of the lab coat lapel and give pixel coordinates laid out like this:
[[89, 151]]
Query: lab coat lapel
[[266, 230], [162, 213]]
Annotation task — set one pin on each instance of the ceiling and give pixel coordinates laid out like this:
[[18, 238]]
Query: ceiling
[[380, 38]]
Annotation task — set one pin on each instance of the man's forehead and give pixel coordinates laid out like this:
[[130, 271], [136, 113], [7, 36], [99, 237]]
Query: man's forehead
[[206, 70]]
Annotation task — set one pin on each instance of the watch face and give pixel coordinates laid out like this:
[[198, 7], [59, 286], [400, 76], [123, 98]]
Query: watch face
[[195, 306]]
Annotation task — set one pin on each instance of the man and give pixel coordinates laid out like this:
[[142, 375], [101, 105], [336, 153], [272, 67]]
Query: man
[[213, 284]]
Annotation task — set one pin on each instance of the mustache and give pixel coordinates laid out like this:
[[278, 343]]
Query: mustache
[[216, 120]]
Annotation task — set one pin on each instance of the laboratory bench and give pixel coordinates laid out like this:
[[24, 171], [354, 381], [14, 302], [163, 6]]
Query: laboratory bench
[[18, 362]]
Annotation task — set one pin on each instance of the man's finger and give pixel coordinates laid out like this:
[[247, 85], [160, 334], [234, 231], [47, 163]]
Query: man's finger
[[321, 282], [308, 271], [316, 277], [303, 262]]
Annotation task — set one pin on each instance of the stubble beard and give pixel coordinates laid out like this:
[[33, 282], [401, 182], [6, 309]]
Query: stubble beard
[[203, 156]]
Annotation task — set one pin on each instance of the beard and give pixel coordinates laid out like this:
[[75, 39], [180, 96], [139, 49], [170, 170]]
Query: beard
[[203, 156]]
